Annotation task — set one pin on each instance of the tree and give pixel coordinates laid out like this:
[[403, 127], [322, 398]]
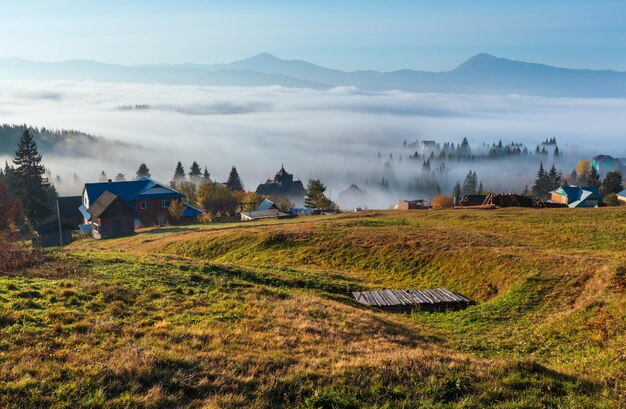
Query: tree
[[443, 202], [612, 183], [457, 192], [593, 178], [143, 171], [234, 181], [8, 209], [189, 189], [541, 188], [206, 176], [216, 199], [120, 177], [611, 199], [176, 209], [426, 166], [555, 179], [315, 197], [179, 173], [31, 187], [557, 153], [250, 201], [195, 173], [470, 185], [582, 169], [103, 177]]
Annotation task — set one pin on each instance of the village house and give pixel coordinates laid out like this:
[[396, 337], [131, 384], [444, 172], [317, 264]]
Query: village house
[[575, 196], [111, 217], [71, 218], [621, 196], [148, 200], [606, 163]]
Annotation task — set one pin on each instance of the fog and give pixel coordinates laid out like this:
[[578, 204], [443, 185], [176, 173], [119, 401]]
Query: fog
[[334, 134]]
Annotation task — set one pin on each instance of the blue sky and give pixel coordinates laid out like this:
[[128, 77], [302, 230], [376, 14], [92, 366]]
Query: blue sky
[[382, 35]]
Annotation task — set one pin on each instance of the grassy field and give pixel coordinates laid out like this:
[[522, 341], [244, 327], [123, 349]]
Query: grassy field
[[259, 315]]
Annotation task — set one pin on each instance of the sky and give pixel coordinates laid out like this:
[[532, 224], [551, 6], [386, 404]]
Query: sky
[[344, 34]]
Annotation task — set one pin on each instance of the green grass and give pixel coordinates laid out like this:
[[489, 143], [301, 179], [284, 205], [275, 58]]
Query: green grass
[[259, 315]]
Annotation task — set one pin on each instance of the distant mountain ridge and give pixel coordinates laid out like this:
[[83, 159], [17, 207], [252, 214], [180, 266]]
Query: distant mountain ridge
[[481, 74]]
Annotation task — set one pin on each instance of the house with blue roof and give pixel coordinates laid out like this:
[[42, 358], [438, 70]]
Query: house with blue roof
[[148, 199], [621, 196], [576, 196]]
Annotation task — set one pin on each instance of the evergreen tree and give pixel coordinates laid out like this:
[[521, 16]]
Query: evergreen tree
[[143, 171], [542, 184], [179, 173], [195, 172], [315, 197], [206, 176], [470, 185], [29, 184], [526, 192], [613, 182], [457, 192], [120, 177], [234, 183], [557, 153], [480, 188], [555, 178], [593, 178], [103, 177], [426, 166]]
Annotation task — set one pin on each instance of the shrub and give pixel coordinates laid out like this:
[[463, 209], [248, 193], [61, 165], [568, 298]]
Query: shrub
[[443, 202], [15, 257]]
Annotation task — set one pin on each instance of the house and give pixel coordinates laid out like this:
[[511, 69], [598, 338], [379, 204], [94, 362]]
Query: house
[[283, 185], [149, 200], [190, 214], [71, 218], [264, 214], [267, 204], [606, 163], [621, 196], [419, 204], [352, 198], [575, 196], [111, 217]]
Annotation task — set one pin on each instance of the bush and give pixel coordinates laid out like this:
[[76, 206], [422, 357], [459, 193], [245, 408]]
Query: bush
[[15, 257], [443, 202]]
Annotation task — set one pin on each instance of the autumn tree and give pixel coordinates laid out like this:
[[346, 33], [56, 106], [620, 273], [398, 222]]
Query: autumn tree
[[176, 209], [28, 180], [250, 201], [443, 202], [217, 199], [582, 170], [8, 209]]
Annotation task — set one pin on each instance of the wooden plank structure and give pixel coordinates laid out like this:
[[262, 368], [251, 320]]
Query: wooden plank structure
[[438, 299]]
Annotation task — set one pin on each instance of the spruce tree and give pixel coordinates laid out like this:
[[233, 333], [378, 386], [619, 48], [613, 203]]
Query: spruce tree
[[103, 177], [234, 183], [143, 171], [613, 182], [457, 192], [555, 178], [470, 185], [542, 184], [315, 197], [206, 176], [593, 178], [179, 173], [120, 177], [28, 181], [195, 173]]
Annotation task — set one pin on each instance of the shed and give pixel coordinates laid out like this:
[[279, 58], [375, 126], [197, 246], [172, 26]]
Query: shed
[[71, 218], [111, 217], [438, 299]]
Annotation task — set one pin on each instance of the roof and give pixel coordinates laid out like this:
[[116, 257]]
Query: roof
[[262, 214], [104, 201], [578, 193], [190, 211], [407, 299], [266, 204], [141, 189], [622, 193]]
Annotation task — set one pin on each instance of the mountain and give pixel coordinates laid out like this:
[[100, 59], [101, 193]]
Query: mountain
[[481, 74]]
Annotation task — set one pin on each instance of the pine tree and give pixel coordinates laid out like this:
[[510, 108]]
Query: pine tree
[[315, 197], [179, 173], [457, 192], [234, 183], [555, 178], [195, 172], [143, 171], [613, 182], [29, 184], [593, 178], [470, 185], [120, 177], [480, 188], [206, 176], [557, 153], [541, 187], [426, 166], [526, 192], [103, 177]]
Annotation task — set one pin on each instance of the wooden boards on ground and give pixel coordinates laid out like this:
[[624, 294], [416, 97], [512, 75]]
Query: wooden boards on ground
[[438, 299]]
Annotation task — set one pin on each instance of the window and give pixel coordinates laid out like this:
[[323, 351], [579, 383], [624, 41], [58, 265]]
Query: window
[[165, 204], [144, 205]]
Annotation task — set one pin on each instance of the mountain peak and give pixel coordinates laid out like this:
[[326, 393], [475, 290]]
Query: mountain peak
[[264, 56]]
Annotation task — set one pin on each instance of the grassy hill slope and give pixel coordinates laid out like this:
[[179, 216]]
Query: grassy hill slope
[[259, 315]]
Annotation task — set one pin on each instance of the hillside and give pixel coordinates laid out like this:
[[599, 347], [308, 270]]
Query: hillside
[[259, 314], [480, 74]]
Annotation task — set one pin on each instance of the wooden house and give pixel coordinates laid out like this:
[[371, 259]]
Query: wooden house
[[575, 196], [48, 230], [111, 217]]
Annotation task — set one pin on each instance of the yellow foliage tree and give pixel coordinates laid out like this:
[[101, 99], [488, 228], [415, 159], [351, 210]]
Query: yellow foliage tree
[[443, 202]]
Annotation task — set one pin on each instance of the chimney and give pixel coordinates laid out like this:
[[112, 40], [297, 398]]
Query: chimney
[[110, 181]]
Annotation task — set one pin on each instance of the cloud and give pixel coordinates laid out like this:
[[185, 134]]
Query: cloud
[[329, 134]]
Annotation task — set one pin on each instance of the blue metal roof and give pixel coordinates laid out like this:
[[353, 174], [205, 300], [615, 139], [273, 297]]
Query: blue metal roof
[[190, 211], [622, 193], [130, 190]]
